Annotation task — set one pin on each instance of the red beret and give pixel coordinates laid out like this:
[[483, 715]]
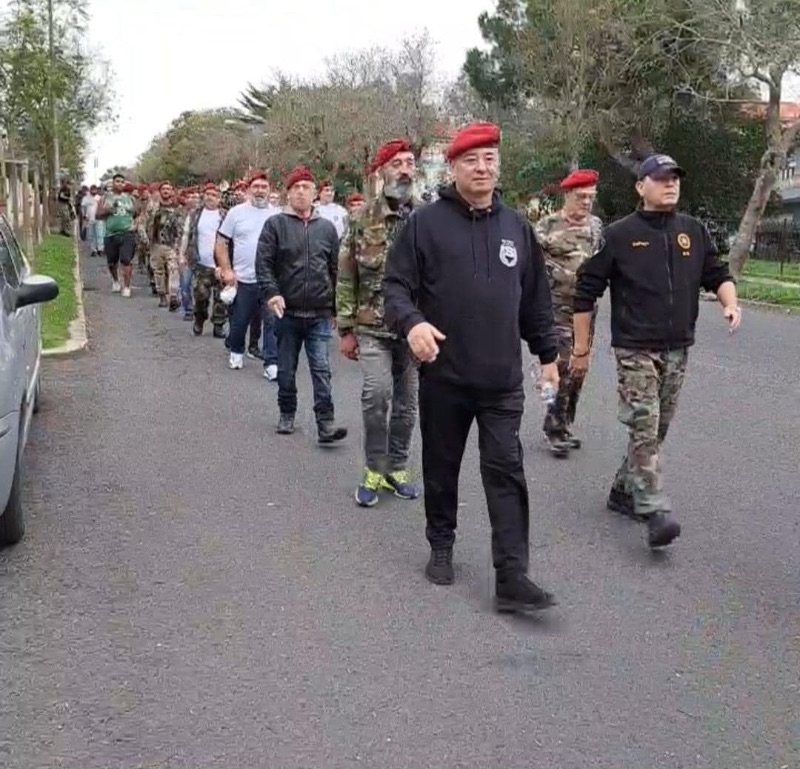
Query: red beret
[[386, 152], [355, 197], [210, 187], [300, 174], [257, 176], [584, 177], [473, 137], [128, 187]]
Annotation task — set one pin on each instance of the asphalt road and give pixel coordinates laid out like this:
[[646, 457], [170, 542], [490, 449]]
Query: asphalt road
[[196, 592]]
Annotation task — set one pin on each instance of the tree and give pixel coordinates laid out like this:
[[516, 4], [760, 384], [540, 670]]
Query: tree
[[110, 173], [335, 123], [36, 82], [202, 145], [756, 42]]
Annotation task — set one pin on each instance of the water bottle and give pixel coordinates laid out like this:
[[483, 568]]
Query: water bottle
[[548, 394]]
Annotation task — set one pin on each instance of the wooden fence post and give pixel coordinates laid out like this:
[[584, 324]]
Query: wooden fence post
[[27, 214], [13, 187], [38, 232]]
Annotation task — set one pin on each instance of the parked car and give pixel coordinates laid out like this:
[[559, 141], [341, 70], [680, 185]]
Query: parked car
[[20, 365]]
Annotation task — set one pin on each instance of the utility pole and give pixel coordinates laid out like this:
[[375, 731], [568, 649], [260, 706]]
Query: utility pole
[[56, 159]]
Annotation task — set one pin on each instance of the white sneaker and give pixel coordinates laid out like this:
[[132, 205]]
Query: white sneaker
[[271, 372], [236, 360], [115, 287], [126, 291]]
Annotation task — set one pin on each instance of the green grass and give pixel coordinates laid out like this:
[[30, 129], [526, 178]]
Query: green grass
[[755, 291], [755, 268], [55, 257]]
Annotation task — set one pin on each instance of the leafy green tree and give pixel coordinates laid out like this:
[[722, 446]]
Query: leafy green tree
[[34, 80]]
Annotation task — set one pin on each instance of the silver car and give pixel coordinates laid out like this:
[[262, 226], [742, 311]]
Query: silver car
[[20, 363]]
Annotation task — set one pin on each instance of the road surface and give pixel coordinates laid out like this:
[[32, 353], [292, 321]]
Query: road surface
[[196, 592]]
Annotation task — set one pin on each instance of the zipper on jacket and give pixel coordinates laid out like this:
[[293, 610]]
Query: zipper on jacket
[[308, 268], [670, 283]]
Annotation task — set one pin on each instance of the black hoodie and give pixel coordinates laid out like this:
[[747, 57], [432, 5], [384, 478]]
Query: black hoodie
[[479, 277]]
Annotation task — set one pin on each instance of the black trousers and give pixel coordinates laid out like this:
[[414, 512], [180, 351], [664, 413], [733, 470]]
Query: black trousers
[[446, 414]]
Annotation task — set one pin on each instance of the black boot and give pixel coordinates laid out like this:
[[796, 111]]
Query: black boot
[[286, 424], [518, 593], [219, 331], [661, 530], [197, 327], [572, 441], [557, 445], [328, 432], [620, 502], [439, 570]]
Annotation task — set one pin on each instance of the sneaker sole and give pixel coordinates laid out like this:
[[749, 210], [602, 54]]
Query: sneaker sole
[[626, 512]]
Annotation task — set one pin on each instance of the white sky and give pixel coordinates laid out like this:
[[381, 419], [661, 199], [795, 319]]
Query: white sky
[[150, 44]]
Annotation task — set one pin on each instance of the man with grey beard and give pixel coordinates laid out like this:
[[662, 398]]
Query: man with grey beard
[[389, 393]]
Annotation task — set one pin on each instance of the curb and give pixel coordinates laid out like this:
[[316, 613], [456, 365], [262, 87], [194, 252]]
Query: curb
[[78, 337]]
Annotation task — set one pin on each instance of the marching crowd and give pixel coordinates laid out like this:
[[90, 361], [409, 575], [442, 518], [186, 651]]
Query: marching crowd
[[434, 300]]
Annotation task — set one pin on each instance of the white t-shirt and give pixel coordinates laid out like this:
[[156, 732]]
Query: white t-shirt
[[207, 226], [243, 226], [335, 214], [89, 207]]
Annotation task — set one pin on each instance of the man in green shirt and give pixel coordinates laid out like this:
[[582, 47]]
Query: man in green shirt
[[118, 208]]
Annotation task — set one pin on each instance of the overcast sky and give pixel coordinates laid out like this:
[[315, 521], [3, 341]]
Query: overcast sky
[[157, 47], [169, 56]]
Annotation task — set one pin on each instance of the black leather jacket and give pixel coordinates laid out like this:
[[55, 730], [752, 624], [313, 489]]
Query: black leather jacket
[[298, 259]]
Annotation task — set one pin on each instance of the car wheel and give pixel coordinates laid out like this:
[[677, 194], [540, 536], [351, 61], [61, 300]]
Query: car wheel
[[12, 521], [37, 395]]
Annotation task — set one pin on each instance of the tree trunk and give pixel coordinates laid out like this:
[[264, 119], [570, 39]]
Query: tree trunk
[[740, 250], [779, 142]]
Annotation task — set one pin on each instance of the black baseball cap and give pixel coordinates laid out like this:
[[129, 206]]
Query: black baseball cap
[[657, 165]]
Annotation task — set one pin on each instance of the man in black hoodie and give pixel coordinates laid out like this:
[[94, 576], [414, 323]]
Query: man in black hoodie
[[465, 283], [655, 260]]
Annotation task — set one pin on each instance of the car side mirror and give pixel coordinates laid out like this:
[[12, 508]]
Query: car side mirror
[[35, 289]]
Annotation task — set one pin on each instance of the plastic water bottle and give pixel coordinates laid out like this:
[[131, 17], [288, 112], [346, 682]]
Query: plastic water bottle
[[548, 394]]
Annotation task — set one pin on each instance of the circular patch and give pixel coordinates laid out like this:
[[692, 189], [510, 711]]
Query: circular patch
[[684, 241]]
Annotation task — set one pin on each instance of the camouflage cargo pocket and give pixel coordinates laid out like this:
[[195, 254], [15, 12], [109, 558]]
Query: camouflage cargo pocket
[[637, 386]]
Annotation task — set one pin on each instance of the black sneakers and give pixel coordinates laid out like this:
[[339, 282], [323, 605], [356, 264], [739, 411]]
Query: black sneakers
[[439, 570], [519, 593], [328, 432]]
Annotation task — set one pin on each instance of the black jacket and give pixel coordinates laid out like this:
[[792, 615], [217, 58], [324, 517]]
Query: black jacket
[[479, 277], [297, 260], [656, 264]]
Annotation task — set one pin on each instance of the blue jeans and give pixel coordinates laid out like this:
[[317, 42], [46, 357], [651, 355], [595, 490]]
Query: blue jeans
[[97, 234], [316, 334], [242, 311], [269, 339], [186, 289]]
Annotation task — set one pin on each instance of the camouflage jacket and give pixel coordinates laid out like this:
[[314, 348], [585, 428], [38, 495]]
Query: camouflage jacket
[[165, 225], [362, 259], [566, 247]]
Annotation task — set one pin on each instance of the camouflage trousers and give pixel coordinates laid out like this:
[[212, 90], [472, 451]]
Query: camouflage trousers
[[648, 383], [164, 261], [205, 290], [65, 218], [560, 416], [388, 401]]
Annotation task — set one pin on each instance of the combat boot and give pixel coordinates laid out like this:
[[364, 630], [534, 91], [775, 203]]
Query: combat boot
[[661, 530], [517, 592], [328, 432], [557, 444]]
